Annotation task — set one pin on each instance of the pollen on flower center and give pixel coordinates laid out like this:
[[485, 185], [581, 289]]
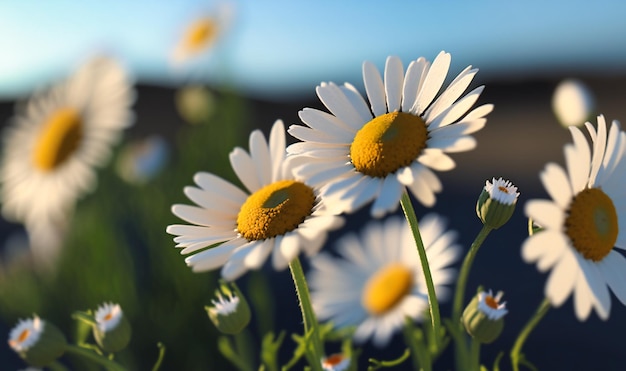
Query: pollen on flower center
[[275, 210], [59, 138], [388, 143], [591, 224], [387, 288], [491, 302]]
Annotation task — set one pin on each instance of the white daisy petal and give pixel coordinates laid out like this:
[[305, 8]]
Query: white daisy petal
[[394, 81], [556, 183], [434, 79], [562, 279], [413, 78], [375, 89], [545, 213], [245, 168]]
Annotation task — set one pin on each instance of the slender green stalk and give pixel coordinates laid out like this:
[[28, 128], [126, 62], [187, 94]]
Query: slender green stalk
[[310, 321], [459, 294], [90, 355], [475, 355], [414, 338], [433, 304], [516, 356]]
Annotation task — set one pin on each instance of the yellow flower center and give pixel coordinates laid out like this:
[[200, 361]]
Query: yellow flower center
[[59, 138], [275, 210], [201, 33], [385, 289], [591, 224], [108, 316], [388, 143], [503, 189], [491, 302]]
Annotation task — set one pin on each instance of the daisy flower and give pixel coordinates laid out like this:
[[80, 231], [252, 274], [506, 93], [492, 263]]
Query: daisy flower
[[583, 222], [201, 33], [57, 139], [26, 334], [108, 316], [373, 151], [378, 281], [336, 362], [492, 306], [238, 229]]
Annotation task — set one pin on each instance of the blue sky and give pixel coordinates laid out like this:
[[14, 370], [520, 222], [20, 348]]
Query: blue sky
[[284, 48]]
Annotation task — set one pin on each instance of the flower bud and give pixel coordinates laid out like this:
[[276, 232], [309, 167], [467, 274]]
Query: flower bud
[[496, 202], [230, 313], [336, 362], [37, 341], [112, 330], [483, 318]]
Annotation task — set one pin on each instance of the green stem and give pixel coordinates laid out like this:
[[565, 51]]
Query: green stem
[[414, 338], [308, 315], [433, 304], [521, 338], [461, 283], [88, 354], [475, 354]]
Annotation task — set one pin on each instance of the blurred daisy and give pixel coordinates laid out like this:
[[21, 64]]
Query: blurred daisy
[[201, 33], [278, 214], [371, 152], [108, 316], [583, 222], [59, 137], [572, 102], [379, 281]]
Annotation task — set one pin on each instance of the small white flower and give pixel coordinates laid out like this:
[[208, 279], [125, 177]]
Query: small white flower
[[224, 305], [108, 316], [26, 334], [502, 191], [335, 362], [491, 306]]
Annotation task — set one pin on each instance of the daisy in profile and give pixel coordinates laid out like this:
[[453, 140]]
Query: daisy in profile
[[583, 223], [57, 139], [372, 151], [277, 214], [202, 32], [377, 282]]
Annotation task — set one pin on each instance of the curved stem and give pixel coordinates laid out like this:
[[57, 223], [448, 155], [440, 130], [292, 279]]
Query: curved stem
[[461, 282], [87, 354], [521, 338], [433, 304], [308, 315]]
